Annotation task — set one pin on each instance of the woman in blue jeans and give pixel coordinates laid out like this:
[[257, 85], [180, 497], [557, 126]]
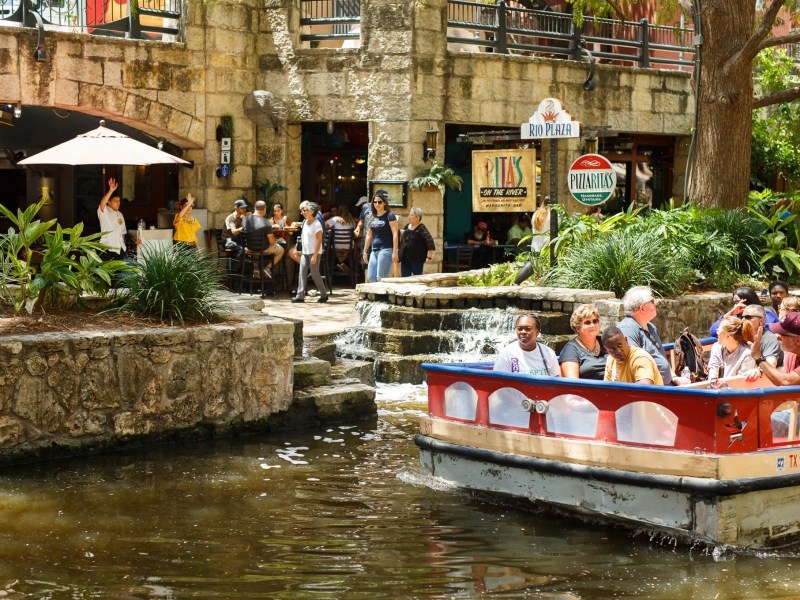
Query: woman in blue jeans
[[382, 237]]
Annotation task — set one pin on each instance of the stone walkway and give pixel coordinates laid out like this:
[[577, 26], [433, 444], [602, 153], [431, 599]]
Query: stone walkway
[[318, 319]]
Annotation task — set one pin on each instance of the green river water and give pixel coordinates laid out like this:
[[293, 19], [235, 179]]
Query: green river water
[[339, 512]]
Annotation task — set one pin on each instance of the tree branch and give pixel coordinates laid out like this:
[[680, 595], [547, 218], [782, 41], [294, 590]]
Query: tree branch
[[777, 98], [791, 38], [751, 47]]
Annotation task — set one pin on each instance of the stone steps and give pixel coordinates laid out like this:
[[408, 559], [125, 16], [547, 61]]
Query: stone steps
[[338, 401]]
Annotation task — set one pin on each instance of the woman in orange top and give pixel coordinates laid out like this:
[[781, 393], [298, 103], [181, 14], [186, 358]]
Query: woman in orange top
[[185, 224]]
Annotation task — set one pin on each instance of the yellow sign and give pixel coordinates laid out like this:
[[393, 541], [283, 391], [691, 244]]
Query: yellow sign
[[504, 180]]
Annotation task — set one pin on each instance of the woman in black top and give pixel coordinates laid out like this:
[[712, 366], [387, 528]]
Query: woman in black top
[[416, 245], [584, 356]]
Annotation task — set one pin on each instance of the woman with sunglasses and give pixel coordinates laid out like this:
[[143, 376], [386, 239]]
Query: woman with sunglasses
[[584, 356], [743, 296], [382, 238]]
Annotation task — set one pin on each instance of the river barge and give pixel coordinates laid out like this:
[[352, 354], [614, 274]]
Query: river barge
[[718, 466]]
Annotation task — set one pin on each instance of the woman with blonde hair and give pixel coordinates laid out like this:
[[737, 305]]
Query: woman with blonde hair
[[730, 356], [584, 356], [541, 227]]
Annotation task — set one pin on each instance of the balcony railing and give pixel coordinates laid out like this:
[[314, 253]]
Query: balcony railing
[[506, 27], [150, 19]]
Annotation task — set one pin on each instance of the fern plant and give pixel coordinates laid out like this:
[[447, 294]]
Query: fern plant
[[439, 176]]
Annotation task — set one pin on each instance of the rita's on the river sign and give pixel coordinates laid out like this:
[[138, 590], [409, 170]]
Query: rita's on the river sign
[[592, 179]]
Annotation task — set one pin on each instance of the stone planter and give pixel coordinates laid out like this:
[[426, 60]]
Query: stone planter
[[61, 393]]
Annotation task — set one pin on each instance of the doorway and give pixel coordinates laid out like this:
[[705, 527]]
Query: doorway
[[334, 166]]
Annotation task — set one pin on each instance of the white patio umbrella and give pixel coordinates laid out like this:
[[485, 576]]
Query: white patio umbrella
[[102, 146]]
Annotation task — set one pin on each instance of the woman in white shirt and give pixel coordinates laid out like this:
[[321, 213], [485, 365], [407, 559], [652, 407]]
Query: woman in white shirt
[[730, 356]]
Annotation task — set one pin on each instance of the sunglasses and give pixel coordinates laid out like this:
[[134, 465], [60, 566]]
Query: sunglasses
[[751, 317], [377, 201], [591, 322]]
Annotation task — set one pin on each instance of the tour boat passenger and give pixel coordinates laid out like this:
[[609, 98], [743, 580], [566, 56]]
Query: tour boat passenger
[[742, 296], [789, 304], [640, 309], [527, 355], [628, 364], [730, 356], [584, 356], [778, 290], [770, 346], [788, 328]]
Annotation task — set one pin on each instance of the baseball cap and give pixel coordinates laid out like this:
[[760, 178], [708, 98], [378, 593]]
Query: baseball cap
[[382, 193], [240, 204], [482, 225], [362, 201], [788, 325]]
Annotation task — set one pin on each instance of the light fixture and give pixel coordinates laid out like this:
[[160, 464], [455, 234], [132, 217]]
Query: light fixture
[[160, 144], [590, 84], [17, 110], [330, 128], [429, 145]]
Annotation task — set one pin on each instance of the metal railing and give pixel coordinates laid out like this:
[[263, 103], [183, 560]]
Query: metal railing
[[149, 19], [508, 28], [322, 20]]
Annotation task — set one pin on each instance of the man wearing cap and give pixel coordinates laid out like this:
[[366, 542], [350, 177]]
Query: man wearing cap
[[788, 328], [480, 236], [233, 226]]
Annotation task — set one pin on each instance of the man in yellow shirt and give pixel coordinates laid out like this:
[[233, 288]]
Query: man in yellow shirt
[[627, 364]]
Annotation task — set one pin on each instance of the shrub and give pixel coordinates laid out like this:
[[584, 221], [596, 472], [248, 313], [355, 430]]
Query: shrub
[[70, 263], [621, 259], [174, 283]]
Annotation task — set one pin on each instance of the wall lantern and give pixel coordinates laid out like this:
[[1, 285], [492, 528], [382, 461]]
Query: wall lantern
[[17, 110], [429, 145]]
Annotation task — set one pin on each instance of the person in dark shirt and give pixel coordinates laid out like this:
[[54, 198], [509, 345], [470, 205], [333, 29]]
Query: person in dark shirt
[[584, 356], [257, 235]]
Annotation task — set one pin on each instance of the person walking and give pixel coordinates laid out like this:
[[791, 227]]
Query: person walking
[[416, 245], [382, 238], [311, 248]]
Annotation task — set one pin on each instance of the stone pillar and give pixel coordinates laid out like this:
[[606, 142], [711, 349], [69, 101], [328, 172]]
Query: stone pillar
[[224, 37]]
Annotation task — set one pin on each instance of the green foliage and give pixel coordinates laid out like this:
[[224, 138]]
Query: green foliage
[[499, 274], [579, 228], [780, 249], [70, 263], [268, 190], [776, 129], [437, 175], [621, 259], [174, 284]]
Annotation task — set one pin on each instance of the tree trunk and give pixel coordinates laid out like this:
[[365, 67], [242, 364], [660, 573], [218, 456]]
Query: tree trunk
[[720, 169]]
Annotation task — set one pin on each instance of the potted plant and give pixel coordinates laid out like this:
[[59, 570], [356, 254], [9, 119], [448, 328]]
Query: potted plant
[[268, 189], [438, 176]]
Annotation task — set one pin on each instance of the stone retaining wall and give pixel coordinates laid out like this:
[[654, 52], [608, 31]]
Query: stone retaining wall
[[440, 291], [61, 393]]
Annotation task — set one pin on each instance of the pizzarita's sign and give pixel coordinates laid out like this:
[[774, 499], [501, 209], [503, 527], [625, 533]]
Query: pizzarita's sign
[[592, 179]]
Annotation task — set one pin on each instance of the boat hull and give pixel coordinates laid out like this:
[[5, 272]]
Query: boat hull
[[694, 510]]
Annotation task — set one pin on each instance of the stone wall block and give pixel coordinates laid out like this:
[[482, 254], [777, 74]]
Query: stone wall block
[[85, 423], [38, 404], [64, 379], [12, 431], [100, 388], [36, 365]]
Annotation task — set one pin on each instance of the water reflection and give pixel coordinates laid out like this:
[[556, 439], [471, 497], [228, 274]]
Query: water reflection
[[335, 513]]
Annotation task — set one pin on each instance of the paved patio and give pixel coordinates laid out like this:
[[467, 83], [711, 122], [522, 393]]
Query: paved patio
[[318, 319]]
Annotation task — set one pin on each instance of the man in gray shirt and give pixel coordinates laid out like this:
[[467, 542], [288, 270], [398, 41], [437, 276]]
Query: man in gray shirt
[[770, 346], [640, 308]]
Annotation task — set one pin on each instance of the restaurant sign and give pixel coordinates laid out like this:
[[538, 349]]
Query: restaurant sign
[[592, 179], [550, 121], [504, 180]]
